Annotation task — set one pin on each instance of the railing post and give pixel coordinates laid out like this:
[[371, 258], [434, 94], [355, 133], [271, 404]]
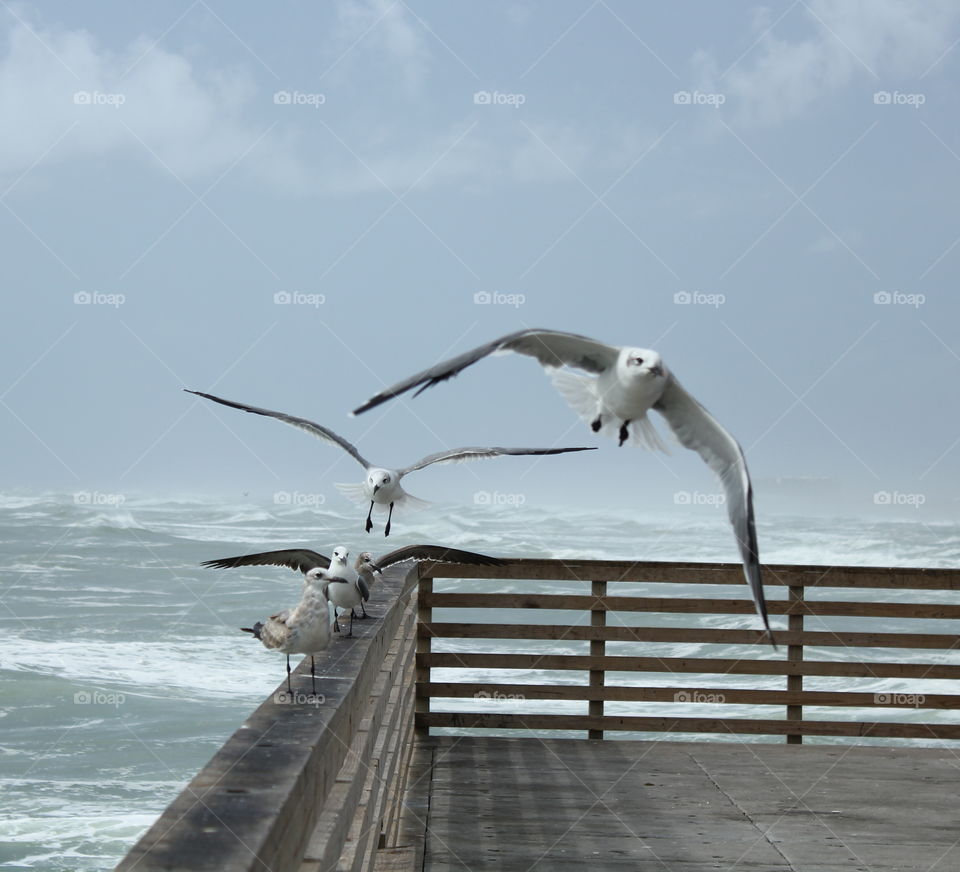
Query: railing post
[[424, 615], [598, 648], [795, 655]]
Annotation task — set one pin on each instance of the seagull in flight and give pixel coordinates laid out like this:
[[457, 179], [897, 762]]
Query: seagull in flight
[[304, 629], [348, 587], [382, 487], [621, 385]]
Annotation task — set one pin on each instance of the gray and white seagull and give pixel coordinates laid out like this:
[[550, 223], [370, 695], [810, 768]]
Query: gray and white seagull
[[344, 586], [381, 486], [622, 385]]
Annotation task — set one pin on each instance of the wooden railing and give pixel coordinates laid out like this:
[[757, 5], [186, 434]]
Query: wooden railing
[[840, 652], [320, 782]]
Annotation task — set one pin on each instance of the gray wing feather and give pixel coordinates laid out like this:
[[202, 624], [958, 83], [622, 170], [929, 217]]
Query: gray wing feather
[[300, 559], [457, 455], [300, 423], [552, 348], [439, 553], [699, 431], [362, 587]]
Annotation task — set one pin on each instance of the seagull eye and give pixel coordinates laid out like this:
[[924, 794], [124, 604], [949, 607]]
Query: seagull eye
[[639, 361]]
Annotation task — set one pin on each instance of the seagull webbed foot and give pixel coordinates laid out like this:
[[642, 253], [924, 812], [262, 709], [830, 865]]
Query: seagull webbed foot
[[596, 424], [624, 433]]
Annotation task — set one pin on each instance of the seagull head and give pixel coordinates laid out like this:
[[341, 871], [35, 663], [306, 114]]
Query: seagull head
[[365, 561], [317, 576], [379, 478], [340, 554], [641, 362]]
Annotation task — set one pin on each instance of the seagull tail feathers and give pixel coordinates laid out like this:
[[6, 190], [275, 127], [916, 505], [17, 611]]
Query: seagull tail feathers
[[254, 630]]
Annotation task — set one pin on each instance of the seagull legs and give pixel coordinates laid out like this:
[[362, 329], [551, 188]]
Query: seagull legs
[[336, 623], [364, 611], [351, 624], [369, 513], [313, 678], [289, 688], [624, 434], [596, 424], [386, 530]]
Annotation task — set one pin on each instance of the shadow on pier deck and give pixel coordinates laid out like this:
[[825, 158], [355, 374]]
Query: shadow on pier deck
[[358, 777]]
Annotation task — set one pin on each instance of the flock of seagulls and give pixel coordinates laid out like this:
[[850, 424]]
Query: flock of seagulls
[[620, 386]]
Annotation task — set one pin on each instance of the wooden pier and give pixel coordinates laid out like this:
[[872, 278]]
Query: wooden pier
[[394, 764]]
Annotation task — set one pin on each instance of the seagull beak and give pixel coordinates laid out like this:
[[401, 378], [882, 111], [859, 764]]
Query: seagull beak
[[376, 487], [656, 370]]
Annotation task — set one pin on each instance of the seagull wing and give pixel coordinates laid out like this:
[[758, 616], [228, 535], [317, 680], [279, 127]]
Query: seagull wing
[[364, 590], [300, 559], [300, 423], [457, 455], [551, 348], [698, 430], [438, 553]]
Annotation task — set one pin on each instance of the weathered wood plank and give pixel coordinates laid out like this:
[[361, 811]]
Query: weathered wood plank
[[485, 692], [702, 573], [689, 605], [736, 726], [686, 665], [570, 633]]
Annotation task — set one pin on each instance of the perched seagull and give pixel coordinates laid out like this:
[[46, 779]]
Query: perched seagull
[[304, 629], [350, 587], [382, 486], [622, 386]]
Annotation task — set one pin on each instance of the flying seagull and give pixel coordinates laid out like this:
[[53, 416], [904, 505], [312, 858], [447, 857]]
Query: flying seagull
[[622, 385], [350, 587], [382, 485], [304, 629]]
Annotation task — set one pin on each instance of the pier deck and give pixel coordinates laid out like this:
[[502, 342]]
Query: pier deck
[[558, 804]]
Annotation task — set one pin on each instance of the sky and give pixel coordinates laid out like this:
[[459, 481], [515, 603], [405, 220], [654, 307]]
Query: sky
[[293, 205]]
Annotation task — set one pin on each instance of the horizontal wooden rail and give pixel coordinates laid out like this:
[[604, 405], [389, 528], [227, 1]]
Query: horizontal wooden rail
[[571, 633], [720, 666], [663, 572], [681, 605], [506, 693], [727, 726], [852, 648]]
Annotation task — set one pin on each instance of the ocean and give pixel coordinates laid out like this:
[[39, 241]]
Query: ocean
[[122, 669]]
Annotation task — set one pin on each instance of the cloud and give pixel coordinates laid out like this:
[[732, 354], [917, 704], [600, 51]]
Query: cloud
[[61, 91], [852, 40], [377, 31]]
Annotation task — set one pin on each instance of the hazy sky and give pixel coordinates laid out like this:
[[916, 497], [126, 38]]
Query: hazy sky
[[294, 204]]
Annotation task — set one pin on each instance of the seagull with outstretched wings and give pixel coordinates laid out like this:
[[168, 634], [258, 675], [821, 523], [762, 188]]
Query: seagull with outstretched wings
[[381, 486], [621, 386]]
